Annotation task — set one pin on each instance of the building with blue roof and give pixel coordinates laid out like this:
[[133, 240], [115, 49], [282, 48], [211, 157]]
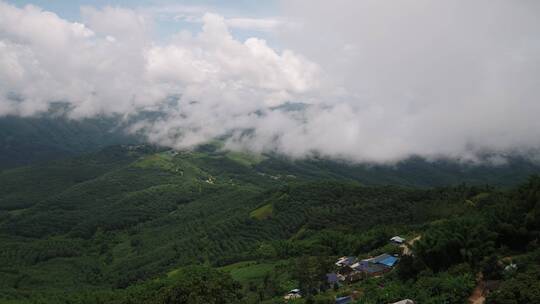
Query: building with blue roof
[[389, 261], [376, 265], [385, 259]]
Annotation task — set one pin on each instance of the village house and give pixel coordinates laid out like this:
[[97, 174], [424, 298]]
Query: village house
[[406, 301], [376, 266], [344, 300], [333, 278], [293, 294], [383, 259], [346, 261], [397, 240], [371, 269]]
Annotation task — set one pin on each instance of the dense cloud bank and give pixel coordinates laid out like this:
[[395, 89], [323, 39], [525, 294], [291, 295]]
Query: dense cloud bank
[[367, 81]]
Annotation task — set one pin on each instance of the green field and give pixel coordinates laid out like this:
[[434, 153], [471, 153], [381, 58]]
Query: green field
[[263, 212], [246, 159], [249, 270]]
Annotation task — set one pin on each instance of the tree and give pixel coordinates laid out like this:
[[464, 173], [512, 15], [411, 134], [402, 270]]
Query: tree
[[311, 273], [454, 241], [200, 285]]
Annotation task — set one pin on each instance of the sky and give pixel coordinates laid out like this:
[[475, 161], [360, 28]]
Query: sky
[[169, 16], [357, 80]]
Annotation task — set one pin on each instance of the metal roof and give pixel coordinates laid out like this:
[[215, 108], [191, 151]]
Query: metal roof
[[344, 300]]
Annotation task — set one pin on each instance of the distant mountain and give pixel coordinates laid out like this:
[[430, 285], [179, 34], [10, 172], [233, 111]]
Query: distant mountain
[[413, 172], [36, 139], [25, 141]]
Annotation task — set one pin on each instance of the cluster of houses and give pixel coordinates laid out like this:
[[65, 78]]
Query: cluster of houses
[[350, 270]]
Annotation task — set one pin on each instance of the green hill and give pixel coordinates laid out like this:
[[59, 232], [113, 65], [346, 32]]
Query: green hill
[[29, 140], [128, 223]]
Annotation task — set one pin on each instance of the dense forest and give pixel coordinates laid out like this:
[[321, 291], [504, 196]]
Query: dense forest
[[141, 224], [51, 136]]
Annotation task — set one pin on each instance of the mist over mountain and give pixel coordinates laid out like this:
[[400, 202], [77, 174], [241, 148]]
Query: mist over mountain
[[32, 140], [37, 140], [383, 82]]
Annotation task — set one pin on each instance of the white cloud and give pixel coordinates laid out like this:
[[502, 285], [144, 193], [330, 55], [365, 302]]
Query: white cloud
[[260, 24], [176, 9], [251, 24], [213, 62], [195, 13], [117, 22], [111, 66], [228, 79], [59, 60], [384, 80], [430, 78]]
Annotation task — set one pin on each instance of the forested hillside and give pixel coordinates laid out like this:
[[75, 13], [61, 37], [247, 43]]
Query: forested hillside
[[125, 222], [37, 139]]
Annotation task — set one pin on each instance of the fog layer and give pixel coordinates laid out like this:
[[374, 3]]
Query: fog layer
[[366, 81]]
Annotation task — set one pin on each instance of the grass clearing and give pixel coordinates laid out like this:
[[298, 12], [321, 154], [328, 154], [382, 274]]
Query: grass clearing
[[263, 212], [173, 272], [299, 234], [248, 271], [156, 161], [17, 212], [246, 159]]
